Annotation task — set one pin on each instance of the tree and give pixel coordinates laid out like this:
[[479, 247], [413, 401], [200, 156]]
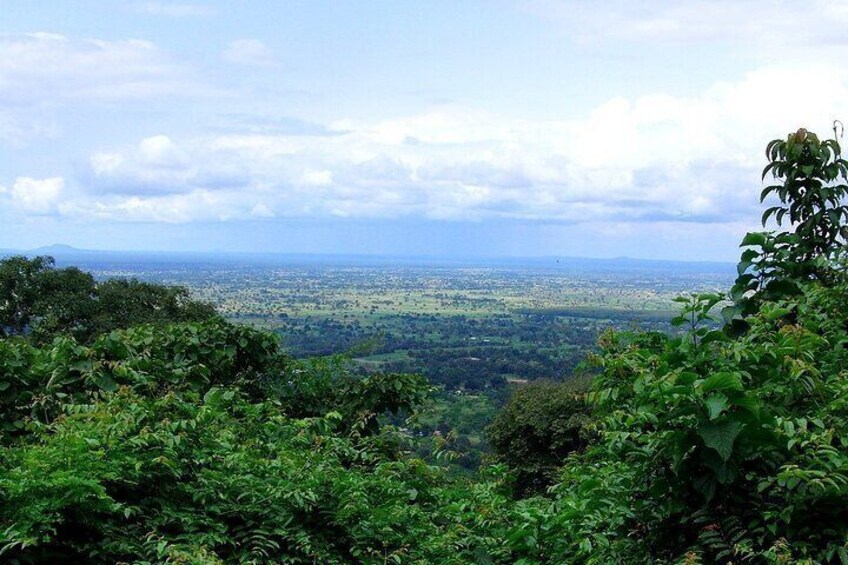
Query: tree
[[811, 188], [19, 291], [541, 424], [812, 185], [40, 301], [123, 303]]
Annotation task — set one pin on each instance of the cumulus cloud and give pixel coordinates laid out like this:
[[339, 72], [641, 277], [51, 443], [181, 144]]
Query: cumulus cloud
[[34, 196], [250, 52], [158, 166]]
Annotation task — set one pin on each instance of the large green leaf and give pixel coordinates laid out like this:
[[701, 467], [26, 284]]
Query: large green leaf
[[722, 381], [105, 382], [716, 404], [721, 436], [753, 238]]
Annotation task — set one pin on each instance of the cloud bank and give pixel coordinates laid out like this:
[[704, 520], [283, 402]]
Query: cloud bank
[[648, 159]]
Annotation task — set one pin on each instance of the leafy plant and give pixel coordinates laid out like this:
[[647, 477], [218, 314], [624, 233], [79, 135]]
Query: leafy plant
[[811, 186], [807, 169]]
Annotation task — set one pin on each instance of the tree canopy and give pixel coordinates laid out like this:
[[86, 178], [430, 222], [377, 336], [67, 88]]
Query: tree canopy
[[41, 301]]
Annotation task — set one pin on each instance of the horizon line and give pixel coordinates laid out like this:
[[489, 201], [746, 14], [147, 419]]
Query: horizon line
[[48, 249]]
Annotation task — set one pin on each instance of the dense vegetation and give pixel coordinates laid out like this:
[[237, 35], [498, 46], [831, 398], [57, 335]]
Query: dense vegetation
[[41, 301], [541, 424], [459, 352], [204, 443]]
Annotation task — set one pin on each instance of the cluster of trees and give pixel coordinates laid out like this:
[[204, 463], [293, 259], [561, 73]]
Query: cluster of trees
[[203, 443], [41, 301], [459, 352]]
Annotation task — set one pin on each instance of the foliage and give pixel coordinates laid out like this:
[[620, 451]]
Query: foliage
[[37, 382], [159, 443], [751, 432], [41, 301], [728, 446], [811, 183], [19, 291], [541, 424], [807, 169]]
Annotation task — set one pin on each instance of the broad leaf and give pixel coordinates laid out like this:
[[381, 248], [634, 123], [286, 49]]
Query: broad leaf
[[722, 381], [716, 404], [721, 436]]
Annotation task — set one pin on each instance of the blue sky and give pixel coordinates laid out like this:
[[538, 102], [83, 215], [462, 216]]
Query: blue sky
[[449, 128]]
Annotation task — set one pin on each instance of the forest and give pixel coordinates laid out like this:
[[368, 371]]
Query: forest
[[138, 424]]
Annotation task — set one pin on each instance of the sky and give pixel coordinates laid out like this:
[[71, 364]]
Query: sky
[[449, 128]]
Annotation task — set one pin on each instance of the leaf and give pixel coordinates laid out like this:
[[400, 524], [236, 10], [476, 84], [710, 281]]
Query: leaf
[[782, 287], [729, 313], [724, 471], [105, 382], [768, 213], [748, 403], [722, 381], [211, 395], [713, 335], [678, 321], [743, 266], [721, 436], [706, 485], [753, 238], [716, 404], [749, 255]]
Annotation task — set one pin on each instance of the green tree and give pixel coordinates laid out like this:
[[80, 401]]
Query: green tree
[[811, 187], [123, 303], [41, 301], [542, 423], [19, 291]]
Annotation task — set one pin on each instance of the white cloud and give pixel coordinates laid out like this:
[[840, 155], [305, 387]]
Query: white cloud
[[44, 76], [250, 52], [34, 196], [261, 211], [317, 178], [105, 163], [160, 152], [158, 166], [38, 68]]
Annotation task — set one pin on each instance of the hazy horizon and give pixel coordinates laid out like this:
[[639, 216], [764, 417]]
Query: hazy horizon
[[65, 253]]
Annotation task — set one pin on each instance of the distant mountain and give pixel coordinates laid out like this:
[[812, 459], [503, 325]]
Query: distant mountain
[[56, 248]]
